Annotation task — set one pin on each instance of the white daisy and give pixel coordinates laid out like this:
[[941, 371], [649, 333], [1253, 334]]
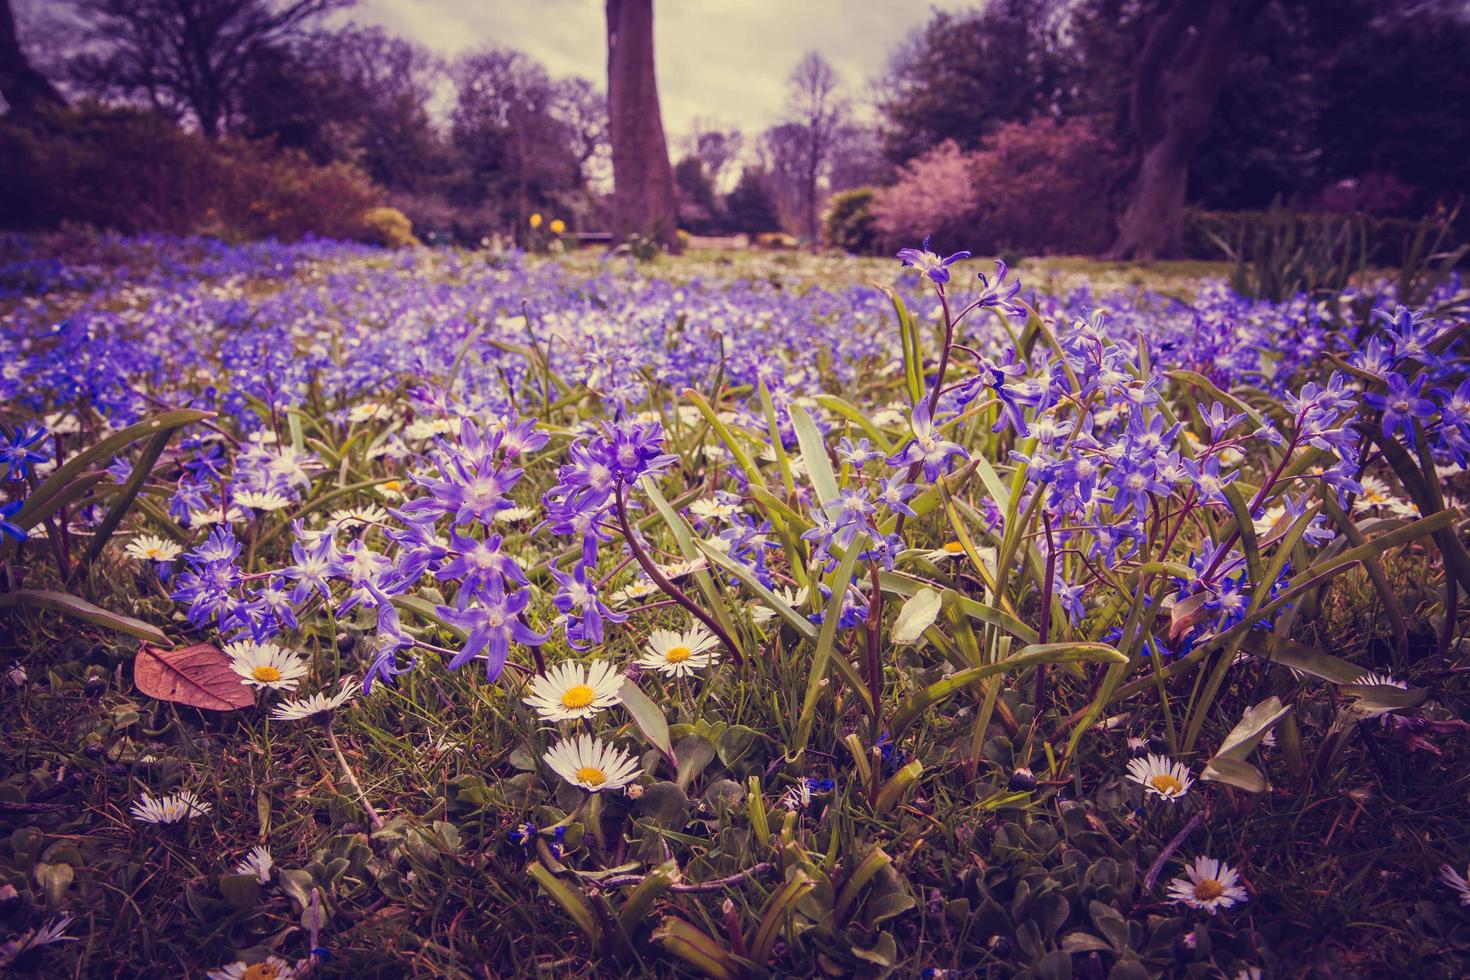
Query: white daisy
[[679, 569], [586, 762], [170, 808], [270, 968], [1160, 776], [315, 705], [258, 863], [514, 515], [708, 509], [1455, 880], [356, 518], [572, 690], [946, 551], [363, 411], [679, 654], [266, 665], [1371, 679], [760, 613], [1268, 521], [428, 428], [151, 547], [1212, 885], [1377, 493], [640, 588], [214, 515], [262, 500]]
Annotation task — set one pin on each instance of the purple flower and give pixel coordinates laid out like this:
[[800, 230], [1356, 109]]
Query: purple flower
[[492, 622], [478, 564], [585, 612], [999, 295], [930, 264], [16, 452], [927, 447], [1401, 405], [6, 526]]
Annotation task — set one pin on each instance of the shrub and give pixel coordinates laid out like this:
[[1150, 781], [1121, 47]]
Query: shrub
[[1035, 187], [1044, 187], [136, 172], [849, 223], [934, 195], [390, 227]]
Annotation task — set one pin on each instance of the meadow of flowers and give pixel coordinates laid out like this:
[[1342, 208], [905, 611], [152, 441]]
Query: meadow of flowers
[[479, 614]]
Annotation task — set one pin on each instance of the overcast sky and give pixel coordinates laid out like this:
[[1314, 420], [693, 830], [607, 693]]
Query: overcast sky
[[723, 60]]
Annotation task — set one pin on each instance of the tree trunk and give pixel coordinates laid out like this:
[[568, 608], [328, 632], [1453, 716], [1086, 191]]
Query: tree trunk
[[643, 181], [25, 89], [1179, 76]]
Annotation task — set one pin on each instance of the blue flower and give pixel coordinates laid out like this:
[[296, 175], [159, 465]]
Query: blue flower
[[930, 264], [16, 452], [7, 528]]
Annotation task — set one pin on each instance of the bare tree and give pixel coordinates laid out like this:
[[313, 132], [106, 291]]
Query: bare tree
[[188, 58], [1180, 72], [716, 148], [507, 133], [643, 182], [25, 89], [583, 109], [815, 106]]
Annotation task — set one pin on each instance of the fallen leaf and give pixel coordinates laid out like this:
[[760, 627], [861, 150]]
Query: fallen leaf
[[199, 676]]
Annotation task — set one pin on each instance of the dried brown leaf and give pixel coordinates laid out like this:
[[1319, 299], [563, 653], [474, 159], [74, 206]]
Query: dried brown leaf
[[199, 676]]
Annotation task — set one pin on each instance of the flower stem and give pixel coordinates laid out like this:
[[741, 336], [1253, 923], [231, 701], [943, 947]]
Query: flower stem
[[650, 567], [373, 817]]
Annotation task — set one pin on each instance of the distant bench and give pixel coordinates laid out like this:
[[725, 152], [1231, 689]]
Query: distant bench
[[584, 239]]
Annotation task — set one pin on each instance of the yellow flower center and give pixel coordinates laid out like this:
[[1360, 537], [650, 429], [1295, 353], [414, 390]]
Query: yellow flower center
[[267, 673], [1166, 783], [393, 485], [260, 971], [677, 655], [578, 696], [954, 547], [1208, 889], [591, 776], [154, 553]]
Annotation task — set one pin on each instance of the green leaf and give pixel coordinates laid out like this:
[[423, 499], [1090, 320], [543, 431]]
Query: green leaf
[[1372, 700], [1252, 727], [1030, 656], [142, 469], [898, 784], [1308, 660], [826, 642], [642, 896], [104, 451], [793, 618], [695, 752], [782, 904], [814, 454], [572, 903], [1235, 772], [241, 891], [876, 860], [834, 404], [695, 947], [649, 718], [70, 605], [917, 615]]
